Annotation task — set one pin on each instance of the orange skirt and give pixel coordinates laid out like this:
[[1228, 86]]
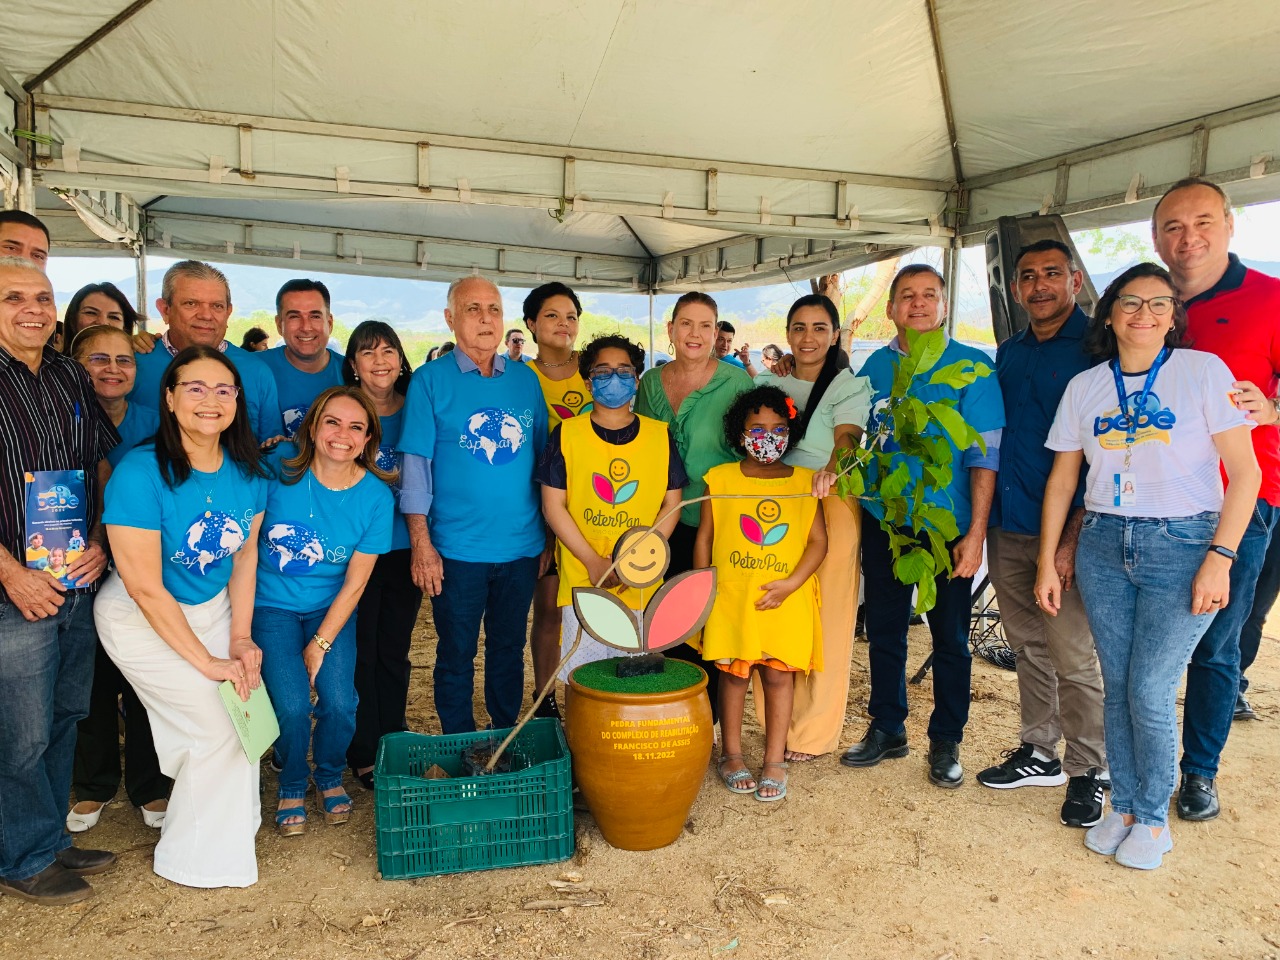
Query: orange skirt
[[742, 668]]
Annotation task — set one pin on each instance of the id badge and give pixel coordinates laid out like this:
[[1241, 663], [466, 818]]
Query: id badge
[[1125, 490], [56, 521]]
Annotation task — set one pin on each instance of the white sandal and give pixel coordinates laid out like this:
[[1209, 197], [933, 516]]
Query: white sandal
[[153, 818], [80, 822]]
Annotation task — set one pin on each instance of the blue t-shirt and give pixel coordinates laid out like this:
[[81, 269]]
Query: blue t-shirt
[[259, 386], [139, 423], [980, 404], [389, 460], [310, 533], [297, 388], [484, 436], [197, 537], [1033, 377]]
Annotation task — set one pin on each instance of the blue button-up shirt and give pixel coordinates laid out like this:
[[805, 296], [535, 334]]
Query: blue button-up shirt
[[1033, 376]]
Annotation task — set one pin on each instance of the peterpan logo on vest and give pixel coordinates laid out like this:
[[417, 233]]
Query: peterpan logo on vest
[[571, 405], [495, 436], [213, 535], [759, 533], [297, 548], [1155, 423]]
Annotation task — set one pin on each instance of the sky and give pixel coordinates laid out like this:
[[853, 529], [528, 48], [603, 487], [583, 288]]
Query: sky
[[1257, 237]]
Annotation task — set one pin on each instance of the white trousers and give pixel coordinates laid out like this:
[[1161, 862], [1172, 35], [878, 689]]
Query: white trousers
[[215, 808]]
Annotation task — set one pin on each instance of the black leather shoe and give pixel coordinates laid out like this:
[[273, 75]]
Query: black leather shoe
[[1243, 710], [53, 886], [874, 747], [944, 764], [86, 862], [1197, 798]]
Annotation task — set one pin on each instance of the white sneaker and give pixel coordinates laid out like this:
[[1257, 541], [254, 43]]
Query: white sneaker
[[1107, 836], [80, 822], [1142, 849], [153, 818]]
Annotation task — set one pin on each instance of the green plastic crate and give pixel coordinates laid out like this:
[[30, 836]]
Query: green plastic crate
[[429, 827]]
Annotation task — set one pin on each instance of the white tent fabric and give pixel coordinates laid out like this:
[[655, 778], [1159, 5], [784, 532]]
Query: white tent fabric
[[657, 146]]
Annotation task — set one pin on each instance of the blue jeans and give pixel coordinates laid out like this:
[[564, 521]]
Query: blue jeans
[[1213, 679], [282, 635], [46, 670], [500, 594], [1135, 578], [1264, 598], [888, 616]]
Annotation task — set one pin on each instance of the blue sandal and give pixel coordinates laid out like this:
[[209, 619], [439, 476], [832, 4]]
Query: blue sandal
[[733, 781], [288, 813], [770, 782], [332, 816]]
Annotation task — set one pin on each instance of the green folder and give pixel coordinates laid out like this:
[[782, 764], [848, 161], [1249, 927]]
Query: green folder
[[254, 719]]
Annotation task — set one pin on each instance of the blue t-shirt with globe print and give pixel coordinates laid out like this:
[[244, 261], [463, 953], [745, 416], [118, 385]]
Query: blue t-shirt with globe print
[[297, 388], [483, 436], [310, 533], [202, 522], [389, 460]]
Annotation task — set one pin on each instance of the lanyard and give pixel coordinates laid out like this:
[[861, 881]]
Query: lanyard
[[1131, 419]]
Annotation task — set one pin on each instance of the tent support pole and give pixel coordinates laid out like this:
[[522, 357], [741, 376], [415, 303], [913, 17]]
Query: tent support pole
[[651, 344], [140, 265]]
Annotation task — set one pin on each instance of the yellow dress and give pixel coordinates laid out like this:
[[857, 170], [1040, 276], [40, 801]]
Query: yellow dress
[[610, 489], [565, 399], [757, 541]]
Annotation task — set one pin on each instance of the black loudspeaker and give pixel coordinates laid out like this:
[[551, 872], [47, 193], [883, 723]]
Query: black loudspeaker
[[1004, 240]]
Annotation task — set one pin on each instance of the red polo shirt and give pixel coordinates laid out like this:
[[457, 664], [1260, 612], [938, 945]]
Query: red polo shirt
[[1238, 319]]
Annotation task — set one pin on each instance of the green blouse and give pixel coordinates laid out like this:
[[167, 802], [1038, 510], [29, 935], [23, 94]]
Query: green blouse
[[698, 428], [846, 402]]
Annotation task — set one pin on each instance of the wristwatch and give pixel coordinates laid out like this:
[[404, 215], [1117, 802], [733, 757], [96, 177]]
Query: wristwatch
[[327, 645], [1223, 551]]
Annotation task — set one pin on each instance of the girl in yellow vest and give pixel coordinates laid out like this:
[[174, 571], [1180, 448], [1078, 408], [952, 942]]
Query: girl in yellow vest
[[551, 313], [601, 475], [763, 532]]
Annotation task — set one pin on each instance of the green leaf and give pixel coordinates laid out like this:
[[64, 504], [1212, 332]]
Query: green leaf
[[949, 418], [896, 482], [926, 594], [941, 519], [915, 413], [929, 346], [957, 375], [911, 567]]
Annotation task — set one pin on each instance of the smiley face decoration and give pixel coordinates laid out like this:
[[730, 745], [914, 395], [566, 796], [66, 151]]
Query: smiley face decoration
[[677, 611]]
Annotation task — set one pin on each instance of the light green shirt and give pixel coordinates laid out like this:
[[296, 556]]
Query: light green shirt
[[699, 427], [846, 402]]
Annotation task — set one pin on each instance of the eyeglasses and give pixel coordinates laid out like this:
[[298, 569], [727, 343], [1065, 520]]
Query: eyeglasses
[[603, 371], [125, 360], [518, 341], [198, 389], [757, 433], [1159, 306]]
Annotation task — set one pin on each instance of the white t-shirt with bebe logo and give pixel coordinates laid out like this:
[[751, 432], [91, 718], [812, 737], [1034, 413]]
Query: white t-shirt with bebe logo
[[1174, 470]]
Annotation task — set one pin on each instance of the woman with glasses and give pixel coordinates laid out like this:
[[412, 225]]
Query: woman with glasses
[[833, 405], [98, 304], [601, 475], [329, 517], [106, 353], [1154, 423], [183, 514], [390, 603], [551, 314]]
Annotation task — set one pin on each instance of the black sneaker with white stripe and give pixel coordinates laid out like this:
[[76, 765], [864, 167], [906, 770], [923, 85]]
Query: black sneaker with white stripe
[[1083, 806], [1022, 768]]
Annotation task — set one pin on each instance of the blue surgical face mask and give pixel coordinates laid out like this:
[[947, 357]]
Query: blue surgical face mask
[[613, 391]]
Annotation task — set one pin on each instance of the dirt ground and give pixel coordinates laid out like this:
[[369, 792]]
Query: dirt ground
[[866, 863]]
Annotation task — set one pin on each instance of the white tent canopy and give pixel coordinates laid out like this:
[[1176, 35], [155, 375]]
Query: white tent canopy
[[634, 145]]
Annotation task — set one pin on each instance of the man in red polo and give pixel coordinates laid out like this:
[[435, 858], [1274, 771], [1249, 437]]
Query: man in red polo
[[1234, 313]]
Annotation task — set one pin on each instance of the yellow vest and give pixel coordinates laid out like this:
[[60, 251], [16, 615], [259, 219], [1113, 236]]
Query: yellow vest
[[756, 541], [610, 489], [565, 398]]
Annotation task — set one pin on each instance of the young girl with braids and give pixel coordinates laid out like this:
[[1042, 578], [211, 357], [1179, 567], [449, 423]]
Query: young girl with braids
[[763, 531]]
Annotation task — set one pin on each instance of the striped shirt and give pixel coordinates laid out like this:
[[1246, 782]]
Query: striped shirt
[[50, 420]]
